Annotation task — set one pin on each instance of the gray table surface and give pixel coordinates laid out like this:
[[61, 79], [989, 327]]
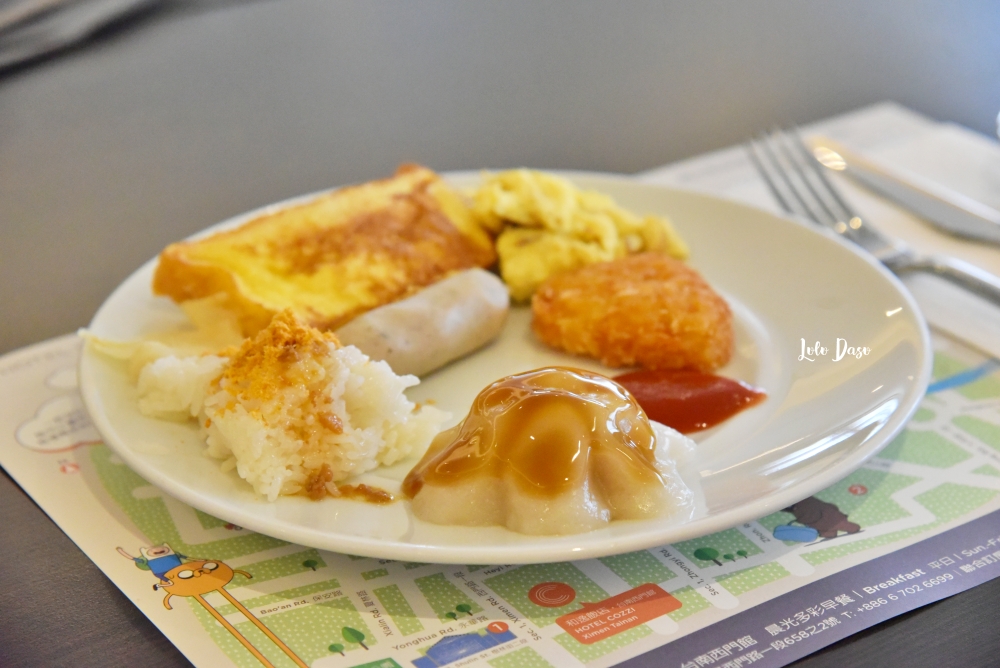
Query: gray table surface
[[196, 111]]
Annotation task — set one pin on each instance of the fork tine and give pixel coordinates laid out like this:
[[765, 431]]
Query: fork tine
[[787, 179], [846, 213], [781, 178], [798, 162], [798, 182], [755, 151]]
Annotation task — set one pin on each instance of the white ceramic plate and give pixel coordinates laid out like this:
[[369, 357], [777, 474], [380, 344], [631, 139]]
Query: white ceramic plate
[[786, 283]]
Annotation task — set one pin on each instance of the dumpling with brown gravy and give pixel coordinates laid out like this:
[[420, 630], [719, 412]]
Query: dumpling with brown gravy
[[548, 452]]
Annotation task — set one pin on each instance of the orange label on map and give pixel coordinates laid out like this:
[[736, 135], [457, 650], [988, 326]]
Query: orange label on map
[[603, 619]]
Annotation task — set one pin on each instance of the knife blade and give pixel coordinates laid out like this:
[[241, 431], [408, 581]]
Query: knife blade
[[944, 208]]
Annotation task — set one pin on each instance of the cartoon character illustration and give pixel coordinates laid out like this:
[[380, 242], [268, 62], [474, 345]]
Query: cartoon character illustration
[[183, 576], [159, 559], [826, 518]]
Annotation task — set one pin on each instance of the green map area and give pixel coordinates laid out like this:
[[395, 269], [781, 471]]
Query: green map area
[[353, 610]]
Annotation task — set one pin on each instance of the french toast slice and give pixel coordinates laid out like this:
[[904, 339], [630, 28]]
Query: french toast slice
[[334, 257]]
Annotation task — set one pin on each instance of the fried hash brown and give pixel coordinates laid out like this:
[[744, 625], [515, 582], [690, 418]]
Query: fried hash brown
[[646, 310]]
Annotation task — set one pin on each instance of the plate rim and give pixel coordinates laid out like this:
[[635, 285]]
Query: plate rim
[[543, 553]]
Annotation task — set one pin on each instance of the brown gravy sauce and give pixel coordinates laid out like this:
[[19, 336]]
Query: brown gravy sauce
[[367, 493], [689, 401], [316, 489], [545, 427]]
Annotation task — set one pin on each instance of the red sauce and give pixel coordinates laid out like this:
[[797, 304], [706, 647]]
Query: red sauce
[[689, 400]]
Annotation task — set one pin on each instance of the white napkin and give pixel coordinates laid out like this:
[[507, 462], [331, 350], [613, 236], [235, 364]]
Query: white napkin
[[897, 137]]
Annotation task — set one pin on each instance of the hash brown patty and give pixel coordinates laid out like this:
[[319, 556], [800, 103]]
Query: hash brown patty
[[646, 310]]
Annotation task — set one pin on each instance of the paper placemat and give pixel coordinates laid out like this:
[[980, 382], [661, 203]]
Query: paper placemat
[[327, 609]]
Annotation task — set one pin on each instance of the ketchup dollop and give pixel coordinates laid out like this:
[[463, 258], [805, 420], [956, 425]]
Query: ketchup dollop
[[689, 400]]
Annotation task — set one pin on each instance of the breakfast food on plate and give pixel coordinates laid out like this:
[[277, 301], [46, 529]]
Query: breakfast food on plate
[[647, 310], [343, 292], [416, 335], [360, 260], [441, 323], [335, 256], [546, 225], [291, 409], [552, 451]]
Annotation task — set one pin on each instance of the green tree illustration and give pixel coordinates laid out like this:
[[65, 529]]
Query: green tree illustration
[[707, 554], [337, 647], [354, 635], [729, 557], [451, 615], [742, 553], [310, 563], [464, 607]]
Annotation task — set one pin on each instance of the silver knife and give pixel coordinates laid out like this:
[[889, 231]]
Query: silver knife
[[946, 209]]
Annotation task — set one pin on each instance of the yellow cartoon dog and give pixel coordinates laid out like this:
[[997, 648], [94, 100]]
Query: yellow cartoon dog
[[193, 578]]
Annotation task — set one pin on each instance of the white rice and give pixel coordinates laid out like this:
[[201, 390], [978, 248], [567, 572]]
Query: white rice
[[338, 409]]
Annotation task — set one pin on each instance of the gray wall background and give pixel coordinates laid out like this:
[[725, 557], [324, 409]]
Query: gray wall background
[[198, 111]]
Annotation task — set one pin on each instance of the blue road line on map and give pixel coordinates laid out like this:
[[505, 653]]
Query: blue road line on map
[[964, 378]]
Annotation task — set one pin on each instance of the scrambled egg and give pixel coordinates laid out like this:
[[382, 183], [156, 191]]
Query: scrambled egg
[[546, 225]]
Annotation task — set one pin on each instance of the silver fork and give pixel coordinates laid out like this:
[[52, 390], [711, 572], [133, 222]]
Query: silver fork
[[799, 184]]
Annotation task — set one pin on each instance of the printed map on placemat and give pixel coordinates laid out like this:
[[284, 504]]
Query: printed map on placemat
[[262, 601]]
